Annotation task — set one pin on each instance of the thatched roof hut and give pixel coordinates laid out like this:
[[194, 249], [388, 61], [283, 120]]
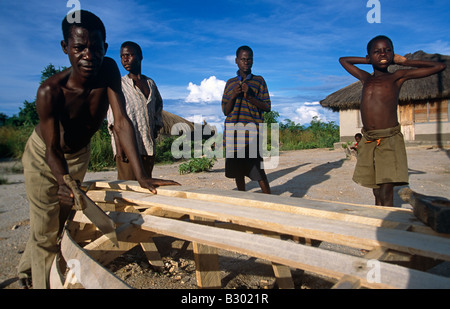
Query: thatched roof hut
[[433, 87], [170, 120], [179, 126]]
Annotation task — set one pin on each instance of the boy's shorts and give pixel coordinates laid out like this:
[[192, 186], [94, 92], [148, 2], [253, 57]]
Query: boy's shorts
[[238, 167], [251, 165], [381, 158]]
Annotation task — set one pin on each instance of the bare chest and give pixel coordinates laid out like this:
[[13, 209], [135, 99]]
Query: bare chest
[[142, 85], [386, 85], [84, 111]]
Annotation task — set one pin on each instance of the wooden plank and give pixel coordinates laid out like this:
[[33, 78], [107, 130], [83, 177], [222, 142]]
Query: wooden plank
[[347, 282], [319, 261], [206, 263], [92, 275], [283, 276], [367, 214], [324, 229], [152, 254], [147, 244], [103, 250]]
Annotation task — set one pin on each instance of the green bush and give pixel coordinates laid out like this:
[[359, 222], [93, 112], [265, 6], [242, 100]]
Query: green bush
[[13, 140], [196, 165], [102, 156], [163, 150], [318, 135]]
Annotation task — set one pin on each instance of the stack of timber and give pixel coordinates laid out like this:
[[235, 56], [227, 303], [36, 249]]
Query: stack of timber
[[400, 248]]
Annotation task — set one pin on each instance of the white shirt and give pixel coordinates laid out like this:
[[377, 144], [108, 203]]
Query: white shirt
[[144, 113]]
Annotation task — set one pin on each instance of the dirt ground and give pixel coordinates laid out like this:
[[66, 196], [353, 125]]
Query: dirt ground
[[311, 174]]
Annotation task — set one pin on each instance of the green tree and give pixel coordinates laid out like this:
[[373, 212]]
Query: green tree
[[291, 126], [3, 119], [49, 71], [271, 117], [28, 115]]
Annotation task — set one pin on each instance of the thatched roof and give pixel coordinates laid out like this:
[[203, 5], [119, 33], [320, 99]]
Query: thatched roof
[[182, 126], [436, 86], [171, 120]]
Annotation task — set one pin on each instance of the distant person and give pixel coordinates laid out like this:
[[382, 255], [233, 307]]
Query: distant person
[[382, 161], [144, 108], [71, 106], [244, 101], [358, 137]]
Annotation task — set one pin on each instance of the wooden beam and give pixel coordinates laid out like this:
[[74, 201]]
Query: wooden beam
[[347, 282], [104, 252], [319, 261], [367, 214], [152, 254], [357, 235], [283, 276], [206, 260]]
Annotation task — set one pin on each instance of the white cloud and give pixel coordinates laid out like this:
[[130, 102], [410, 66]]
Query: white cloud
[[210, 90], [304, 114], [312, 103], [231, 59]]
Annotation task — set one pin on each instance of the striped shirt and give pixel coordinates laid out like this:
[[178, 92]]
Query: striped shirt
[[245, 116], [144, 113]]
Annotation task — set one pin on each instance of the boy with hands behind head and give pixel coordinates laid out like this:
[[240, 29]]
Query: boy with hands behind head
[[382, 161]]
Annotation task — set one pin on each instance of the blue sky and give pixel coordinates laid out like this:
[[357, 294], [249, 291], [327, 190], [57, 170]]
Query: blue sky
[[189, 46]]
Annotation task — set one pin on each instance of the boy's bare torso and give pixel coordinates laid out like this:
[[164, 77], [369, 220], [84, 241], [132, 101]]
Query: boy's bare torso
[[379, 101]]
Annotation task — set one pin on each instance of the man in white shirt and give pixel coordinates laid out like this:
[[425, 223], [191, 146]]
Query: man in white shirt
[[144, 106]]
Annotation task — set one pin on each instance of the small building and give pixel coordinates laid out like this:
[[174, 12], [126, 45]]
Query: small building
[[423, 110]]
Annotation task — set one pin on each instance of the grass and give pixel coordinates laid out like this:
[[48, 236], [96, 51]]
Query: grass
[[13, 140]]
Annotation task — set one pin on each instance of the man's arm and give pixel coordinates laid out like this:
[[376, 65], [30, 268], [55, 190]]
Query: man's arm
[[349, 64], [49, 129], [423, 68], [119, 152]]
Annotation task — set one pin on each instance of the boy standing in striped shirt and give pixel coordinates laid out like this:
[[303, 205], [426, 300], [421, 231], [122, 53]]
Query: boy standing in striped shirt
[[244, 101]]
